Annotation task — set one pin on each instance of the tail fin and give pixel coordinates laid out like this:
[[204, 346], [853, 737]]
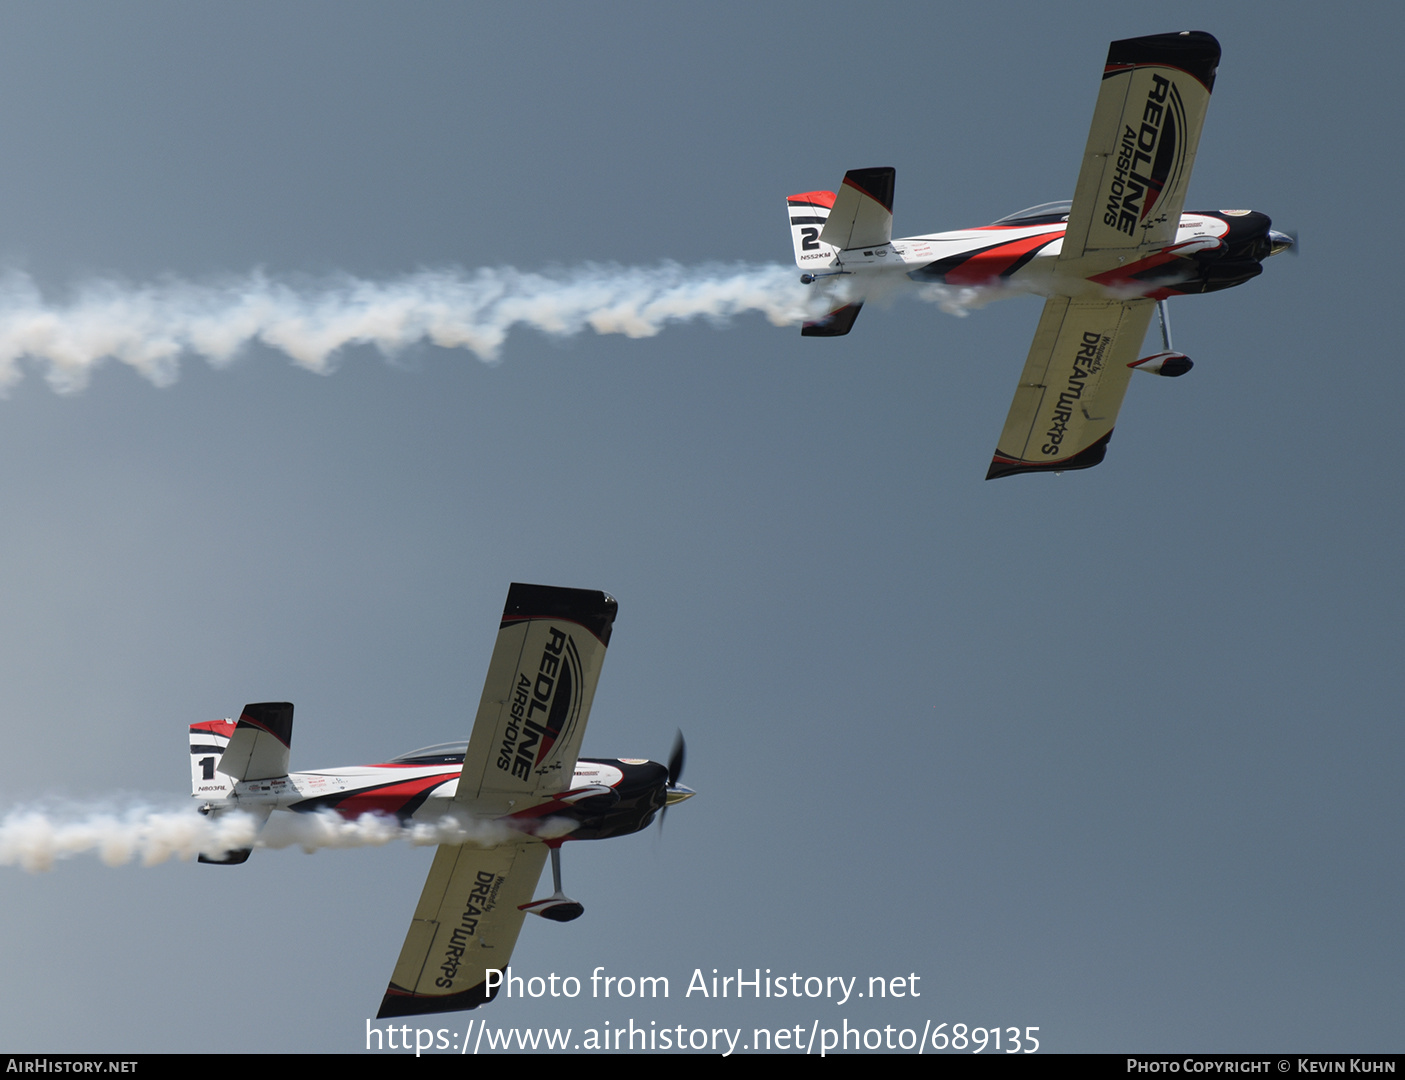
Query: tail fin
[[222, 753], [207, 745], [808, 212]]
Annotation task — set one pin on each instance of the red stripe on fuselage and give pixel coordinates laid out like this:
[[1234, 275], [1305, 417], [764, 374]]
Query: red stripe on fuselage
[[391, 798], [1126, 276], [984, 266]]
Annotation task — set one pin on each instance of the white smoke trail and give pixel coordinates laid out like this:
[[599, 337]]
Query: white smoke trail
[[961, 300], [152, 327], [883, 290], [35, 838], [326, 829]]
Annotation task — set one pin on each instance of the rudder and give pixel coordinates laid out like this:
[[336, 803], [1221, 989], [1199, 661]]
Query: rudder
[[208, 743]]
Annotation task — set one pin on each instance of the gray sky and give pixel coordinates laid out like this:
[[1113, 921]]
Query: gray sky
[[1114, 754]]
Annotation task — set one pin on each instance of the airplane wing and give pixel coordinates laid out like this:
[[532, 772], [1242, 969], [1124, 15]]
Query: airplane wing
[[1131, 189], [467, 921], [525, 741], [1141, 146], [1072, 386], [541, 681]]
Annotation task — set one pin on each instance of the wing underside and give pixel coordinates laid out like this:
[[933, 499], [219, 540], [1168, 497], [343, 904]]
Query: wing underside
[[1141, 145], [537, 695], [1131, 190], [466, 922], [1072, 386], [524, 744]]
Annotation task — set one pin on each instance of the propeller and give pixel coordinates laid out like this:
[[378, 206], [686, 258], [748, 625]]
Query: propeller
[[676, 757], [675, 792]]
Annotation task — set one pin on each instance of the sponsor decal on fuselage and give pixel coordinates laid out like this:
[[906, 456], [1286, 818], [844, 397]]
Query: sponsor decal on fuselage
[[482, 898], [1148, 159], [1088, 361], [540, 705]]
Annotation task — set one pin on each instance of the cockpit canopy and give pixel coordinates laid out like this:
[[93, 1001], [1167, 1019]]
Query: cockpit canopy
[[1047, 213], [444, 753]]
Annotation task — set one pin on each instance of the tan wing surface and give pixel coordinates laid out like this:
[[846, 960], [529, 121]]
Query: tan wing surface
[[1141, 146], [1072, 386], [537, 696], [525, 741], [466, 922]]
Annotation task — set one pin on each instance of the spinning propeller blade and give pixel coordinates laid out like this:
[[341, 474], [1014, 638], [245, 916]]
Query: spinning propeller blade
[[676, 792], [676, 758]]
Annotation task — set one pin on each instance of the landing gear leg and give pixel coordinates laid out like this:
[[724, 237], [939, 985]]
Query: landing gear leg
[[558, 907], [1168, 362]]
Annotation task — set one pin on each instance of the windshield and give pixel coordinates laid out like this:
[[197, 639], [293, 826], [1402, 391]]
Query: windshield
[[1044, 214], [445, 753]]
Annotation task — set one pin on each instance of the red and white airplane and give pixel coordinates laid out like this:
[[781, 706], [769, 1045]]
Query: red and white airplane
[[518, 779], [1103, 261]]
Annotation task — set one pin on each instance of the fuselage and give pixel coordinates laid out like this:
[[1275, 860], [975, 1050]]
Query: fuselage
[[606, 797], [1212, 250]]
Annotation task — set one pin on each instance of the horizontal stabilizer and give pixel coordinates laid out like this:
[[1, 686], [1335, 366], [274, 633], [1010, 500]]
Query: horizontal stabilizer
[[258, 749], [237, 856], [836, 324], [229, 858], [862, 216]]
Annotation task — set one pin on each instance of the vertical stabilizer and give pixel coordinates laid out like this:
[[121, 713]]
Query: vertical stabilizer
[[208, 743]]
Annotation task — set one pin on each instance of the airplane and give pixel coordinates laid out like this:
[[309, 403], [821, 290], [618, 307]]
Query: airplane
[[1103, 260], [517, 778]]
